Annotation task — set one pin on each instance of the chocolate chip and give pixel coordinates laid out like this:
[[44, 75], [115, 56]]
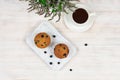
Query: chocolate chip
[[60, 44], [64, 48], [47, 36], [64, 54], [86, 44], [70, 69], [35, 42], [45, 52], [50, 63], [54, 36], [51, 56], [41, 45], [42, 36], [58, 62]]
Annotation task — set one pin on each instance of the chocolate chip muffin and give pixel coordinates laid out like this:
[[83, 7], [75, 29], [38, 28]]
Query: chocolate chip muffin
[[42, 40], [61, 51]]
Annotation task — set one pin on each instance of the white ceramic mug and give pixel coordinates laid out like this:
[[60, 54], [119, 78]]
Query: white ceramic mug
[[71, 24]]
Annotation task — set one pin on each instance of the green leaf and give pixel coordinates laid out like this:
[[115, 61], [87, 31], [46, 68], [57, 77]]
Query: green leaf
[[43, 2]]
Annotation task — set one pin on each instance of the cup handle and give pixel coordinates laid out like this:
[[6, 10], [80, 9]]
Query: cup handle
[[92, 14]]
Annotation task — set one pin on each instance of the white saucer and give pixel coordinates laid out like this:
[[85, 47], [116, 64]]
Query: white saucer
[[71, 24]]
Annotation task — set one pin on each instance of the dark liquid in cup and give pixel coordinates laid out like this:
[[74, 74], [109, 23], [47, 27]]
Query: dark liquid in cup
[[80, 16]]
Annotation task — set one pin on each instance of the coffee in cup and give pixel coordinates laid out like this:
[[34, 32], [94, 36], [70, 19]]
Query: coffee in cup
[[80, 15]]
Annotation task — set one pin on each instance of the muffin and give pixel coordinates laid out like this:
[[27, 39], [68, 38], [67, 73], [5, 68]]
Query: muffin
[[61, 51], [42, 40]]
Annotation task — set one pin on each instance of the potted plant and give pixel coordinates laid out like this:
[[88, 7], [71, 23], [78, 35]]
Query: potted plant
[[50, 8]]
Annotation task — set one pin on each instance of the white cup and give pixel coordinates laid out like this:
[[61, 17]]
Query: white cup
[[71, 24]]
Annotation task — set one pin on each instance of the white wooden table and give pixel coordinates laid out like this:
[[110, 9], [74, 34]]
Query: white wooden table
[[100, 60]]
